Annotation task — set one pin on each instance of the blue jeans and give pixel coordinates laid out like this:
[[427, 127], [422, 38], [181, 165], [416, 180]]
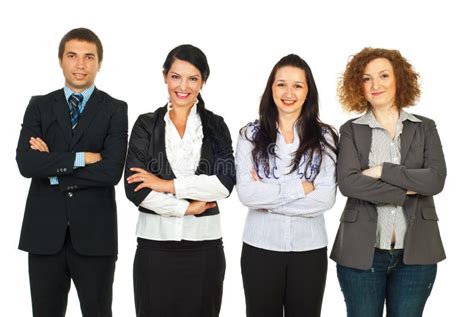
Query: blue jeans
[[405, 287]]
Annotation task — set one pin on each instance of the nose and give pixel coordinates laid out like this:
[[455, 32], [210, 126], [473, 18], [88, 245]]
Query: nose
[[80, 62], [183, 84], [375, 84], [288, 93]]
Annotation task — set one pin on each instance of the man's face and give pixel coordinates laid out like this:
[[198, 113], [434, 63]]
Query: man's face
[[80, 64]]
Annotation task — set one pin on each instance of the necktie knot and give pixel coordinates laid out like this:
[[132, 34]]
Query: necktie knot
[[74, 113]]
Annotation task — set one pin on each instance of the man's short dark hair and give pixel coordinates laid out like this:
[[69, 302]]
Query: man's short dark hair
[[81, 34]]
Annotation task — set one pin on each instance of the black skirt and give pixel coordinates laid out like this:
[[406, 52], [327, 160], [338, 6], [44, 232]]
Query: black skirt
[[178, 278]]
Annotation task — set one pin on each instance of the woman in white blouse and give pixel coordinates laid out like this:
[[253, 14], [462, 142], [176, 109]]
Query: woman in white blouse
[[180, 161], [286, 176]]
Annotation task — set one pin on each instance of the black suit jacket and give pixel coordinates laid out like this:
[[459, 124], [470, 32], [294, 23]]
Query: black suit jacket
[[147, 150], [85, 197]]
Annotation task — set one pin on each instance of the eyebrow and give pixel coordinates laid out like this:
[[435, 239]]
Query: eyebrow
[[296, 82], [383, 70], [197, 75], [87, 54]]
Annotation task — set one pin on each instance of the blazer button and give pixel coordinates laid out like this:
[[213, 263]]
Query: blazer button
[[69, 194]]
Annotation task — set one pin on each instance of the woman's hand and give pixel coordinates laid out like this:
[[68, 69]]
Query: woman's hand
[[197, 207], [149, 180], [374, 172], [308, 187]]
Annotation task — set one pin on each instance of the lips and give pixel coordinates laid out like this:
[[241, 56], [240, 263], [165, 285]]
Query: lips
[[182, 95], [288, 102], [376, 94], [79, 76]]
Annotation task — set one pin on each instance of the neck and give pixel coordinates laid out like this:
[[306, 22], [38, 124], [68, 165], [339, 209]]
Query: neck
[[286, 122], [180, 113], [387, 113]]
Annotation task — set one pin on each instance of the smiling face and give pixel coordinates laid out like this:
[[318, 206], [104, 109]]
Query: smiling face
[[184, 83], [289, 90], [379, 83], [80, 64]]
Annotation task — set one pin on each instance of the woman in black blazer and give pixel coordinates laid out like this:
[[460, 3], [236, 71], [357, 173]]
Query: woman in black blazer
[[180, 161], [390, 165]]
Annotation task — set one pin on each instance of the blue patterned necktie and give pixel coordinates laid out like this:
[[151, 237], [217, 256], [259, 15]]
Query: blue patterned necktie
[[74, 113]]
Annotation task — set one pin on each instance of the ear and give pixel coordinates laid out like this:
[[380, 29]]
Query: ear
[[100, 64], [164, 77]]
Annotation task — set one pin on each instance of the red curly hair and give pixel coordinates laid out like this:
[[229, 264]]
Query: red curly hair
[[350, 86]]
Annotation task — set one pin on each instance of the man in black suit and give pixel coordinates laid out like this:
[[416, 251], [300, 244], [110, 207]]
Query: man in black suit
[[72, 145]]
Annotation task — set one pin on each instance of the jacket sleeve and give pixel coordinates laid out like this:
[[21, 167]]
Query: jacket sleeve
[[322, 198], [138, 156], [352, 183], [33, 163], [428, 180], [259, 194], [108, 171], [224, 164]]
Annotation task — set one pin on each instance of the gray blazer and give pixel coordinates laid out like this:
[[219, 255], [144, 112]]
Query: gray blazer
[[422, 169]]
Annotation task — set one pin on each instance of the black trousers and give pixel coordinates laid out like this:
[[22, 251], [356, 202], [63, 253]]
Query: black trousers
[[50, 281], [289, 282], [178, 278]]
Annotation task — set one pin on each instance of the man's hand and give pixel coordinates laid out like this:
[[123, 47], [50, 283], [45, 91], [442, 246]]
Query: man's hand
[[91, 158], [38, 145]]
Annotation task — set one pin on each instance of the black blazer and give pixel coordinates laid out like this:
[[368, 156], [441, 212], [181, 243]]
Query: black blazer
[[85, 197], [422, 169], [147, 150]]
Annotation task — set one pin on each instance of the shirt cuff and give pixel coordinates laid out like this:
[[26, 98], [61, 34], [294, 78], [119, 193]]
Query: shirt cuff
[[53, 180], [182, 207], [80, 160], [179, 188]]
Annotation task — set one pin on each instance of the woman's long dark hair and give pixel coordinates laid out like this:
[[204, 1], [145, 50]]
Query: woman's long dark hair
[[309, 126]]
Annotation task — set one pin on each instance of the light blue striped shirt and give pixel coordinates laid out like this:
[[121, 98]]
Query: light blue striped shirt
[[80, 158]]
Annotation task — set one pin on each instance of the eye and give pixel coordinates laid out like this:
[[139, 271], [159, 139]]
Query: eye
[[174, 77], [365, 79], [385, 76], [70, 55], [299, 86], [194, 79], [90, 57], [281, 85]]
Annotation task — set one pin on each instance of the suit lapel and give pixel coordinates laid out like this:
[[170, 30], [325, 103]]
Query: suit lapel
[[406, 138], [159, 145], [204, 166], [363, 142], [61, 110], [87, 116]]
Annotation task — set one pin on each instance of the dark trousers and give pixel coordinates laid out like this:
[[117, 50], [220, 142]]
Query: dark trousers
[[178, 278], [50, 281], [283, 282], [405, 288]]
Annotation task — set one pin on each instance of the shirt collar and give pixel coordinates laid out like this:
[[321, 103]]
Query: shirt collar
[[192, 114], [369, 119], [86, 93]]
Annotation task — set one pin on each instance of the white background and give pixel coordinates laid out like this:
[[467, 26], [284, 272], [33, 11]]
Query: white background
[[242, 40]]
